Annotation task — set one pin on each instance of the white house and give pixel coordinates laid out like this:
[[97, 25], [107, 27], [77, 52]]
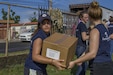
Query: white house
[[106, 13]]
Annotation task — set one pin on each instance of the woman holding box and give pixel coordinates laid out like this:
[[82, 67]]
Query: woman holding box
[[35, 63], [99, 45]]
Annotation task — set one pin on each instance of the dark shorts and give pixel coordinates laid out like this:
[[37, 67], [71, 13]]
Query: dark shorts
[[105, 68], [33, 72]]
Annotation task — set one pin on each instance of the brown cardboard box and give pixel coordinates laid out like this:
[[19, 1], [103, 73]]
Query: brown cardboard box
[[59, 46]]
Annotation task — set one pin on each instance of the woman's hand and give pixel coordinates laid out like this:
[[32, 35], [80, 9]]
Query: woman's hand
[[79, 64], [71, 65], [58, 65]]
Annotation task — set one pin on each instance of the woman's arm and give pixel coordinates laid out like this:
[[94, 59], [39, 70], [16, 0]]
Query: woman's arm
[[111, 36], [37, 45], [85, 36], [93, 48]]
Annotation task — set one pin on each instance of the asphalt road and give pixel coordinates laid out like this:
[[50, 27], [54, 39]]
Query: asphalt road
[[15, 46]]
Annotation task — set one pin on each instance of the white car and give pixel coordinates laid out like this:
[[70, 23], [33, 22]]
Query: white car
[[26, 36]]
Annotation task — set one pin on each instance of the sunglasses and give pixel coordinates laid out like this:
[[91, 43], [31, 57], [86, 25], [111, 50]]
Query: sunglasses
[[43, 23]]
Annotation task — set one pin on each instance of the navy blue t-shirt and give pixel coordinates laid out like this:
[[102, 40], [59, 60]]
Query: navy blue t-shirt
[[81, 28], [110, 27], [103, 54], [29, 62]]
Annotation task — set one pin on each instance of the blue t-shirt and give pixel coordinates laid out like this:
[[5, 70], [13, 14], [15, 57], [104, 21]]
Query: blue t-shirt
[[29, 62], [81, 28], [103, 54], [110, 27]]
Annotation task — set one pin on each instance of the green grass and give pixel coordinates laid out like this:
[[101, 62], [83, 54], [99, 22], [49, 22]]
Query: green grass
[[19, 68], [13, 70], [15, 53], [53, 71]]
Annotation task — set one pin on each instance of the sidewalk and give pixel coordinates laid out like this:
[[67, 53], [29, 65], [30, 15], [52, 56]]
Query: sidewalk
[[12, 40]]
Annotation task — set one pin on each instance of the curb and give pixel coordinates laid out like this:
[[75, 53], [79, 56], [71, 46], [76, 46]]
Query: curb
[[13, 40]]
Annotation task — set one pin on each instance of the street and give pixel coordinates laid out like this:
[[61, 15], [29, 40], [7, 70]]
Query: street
[[15, 46]]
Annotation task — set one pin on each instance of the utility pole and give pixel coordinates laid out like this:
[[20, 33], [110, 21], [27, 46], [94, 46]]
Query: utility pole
[[50, 10], [7, 33], [50, 4]]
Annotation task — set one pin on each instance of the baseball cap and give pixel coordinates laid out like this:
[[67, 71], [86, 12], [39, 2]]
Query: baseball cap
[[43, 17]]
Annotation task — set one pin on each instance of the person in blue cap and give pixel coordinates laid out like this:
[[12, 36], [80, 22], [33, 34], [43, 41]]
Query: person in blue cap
[[99, 45], [35, 63]]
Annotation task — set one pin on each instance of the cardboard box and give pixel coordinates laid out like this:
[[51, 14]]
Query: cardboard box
[[60, 46]]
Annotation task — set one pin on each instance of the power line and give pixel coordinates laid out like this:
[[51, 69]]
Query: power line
[[30, 3], [17, 5]]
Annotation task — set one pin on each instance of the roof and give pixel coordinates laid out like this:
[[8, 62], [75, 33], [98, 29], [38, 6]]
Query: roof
[[106, 8], [84, 5], [25, 24], [5, 21]]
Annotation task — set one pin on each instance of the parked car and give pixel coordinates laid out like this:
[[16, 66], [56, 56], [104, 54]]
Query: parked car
[[26, 36]]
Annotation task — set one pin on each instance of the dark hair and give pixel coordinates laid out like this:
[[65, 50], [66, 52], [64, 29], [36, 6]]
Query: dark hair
[[111, 16], [82, 13], [104, 20], [111, 19], [38, 27], [36, 30], [94, 11]]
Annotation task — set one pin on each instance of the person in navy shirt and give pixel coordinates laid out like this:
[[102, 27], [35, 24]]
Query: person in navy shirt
[[35, 63], [99, 45], [81, 34], [110, 27]]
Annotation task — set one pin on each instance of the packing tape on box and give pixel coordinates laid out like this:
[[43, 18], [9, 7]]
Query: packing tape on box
[[62, 39]]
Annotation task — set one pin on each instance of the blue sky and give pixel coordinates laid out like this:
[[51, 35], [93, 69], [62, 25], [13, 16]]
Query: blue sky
[[62, 4]]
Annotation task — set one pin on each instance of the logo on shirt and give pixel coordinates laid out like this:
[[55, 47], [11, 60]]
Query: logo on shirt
[[106, 37]]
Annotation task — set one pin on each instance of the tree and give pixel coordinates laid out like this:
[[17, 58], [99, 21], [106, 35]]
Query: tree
[[33, 18], [12, 16], [4, 17]]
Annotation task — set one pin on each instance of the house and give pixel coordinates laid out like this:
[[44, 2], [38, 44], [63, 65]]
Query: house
[[3, 30], [79, 7], [107, 13], [16, 29]]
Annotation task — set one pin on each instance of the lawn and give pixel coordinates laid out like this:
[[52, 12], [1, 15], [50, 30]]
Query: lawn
[[15, 53], [18, 70]]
